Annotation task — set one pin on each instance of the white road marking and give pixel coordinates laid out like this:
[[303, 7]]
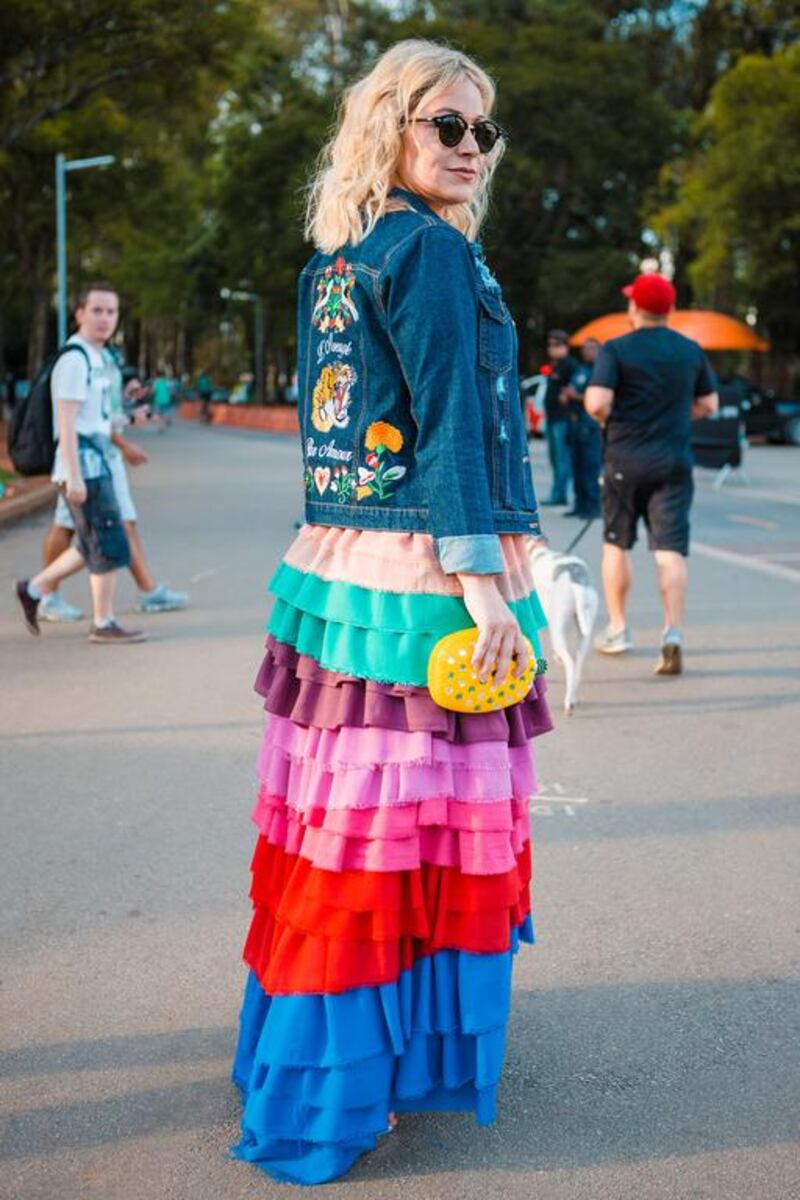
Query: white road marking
[[541, 805], [749, 493], [203, 575], [744, 560], [560, 799], [758, 522]]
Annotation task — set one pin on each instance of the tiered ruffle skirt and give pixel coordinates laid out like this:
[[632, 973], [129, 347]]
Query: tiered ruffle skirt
[[390, 881]]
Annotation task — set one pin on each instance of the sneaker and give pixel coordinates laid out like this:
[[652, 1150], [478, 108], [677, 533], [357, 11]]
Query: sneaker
[[28, 606], [115, 635], [609, 642], [162, 599], [55, 608], [670, 661]]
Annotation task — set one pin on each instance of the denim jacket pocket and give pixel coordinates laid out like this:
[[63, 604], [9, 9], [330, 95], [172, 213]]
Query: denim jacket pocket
[[496, 338]]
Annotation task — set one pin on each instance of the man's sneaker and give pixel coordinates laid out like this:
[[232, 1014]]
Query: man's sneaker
[[670, 661], [28, 606], [162, 599], [115, 635], [609, 642], [55, 608]]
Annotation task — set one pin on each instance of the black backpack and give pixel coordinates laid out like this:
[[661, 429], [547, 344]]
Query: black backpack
[[31, 444]]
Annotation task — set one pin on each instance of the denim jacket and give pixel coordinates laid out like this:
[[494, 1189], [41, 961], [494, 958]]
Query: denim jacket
[[408, 395]]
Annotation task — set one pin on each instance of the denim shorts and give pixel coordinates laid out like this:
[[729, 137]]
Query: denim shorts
[[99, 531], [116, 465]]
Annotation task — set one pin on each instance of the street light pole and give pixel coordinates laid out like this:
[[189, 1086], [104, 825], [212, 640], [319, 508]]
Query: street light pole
[[63, 164], [61, 245]]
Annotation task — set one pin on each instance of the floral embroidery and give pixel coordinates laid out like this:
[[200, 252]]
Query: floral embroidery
[[379, 475], [380, 433], [340, 481], [343, 484], [330, 402], [334, 309]]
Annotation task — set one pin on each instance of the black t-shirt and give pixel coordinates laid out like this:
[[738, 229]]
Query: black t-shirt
[[561, 373], [655, 374]]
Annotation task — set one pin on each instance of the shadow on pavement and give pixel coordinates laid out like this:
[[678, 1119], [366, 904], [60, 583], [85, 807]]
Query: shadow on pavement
[[595, 1074]]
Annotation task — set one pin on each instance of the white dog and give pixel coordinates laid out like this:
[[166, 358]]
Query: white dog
[[569, 598]]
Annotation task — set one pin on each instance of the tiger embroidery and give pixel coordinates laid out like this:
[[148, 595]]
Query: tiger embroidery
[[330, 402]]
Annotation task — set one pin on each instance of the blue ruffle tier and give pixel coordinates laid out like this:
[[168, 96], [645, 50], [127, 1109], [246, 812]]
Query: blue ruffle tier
[[320, 1073]]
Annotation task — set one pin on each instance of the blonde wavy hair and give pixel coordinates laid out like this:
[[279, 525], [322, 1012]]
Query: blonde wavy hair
[[349, 191]]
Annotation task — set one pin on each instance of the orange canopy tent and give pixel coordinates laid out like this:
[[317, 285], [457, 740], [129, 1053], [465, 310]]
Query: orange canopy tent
[[713, 330]]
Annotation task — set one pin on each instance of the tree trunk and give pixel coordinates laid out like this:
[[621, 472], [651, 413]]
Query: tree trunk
[[37, 332], [143, 339]]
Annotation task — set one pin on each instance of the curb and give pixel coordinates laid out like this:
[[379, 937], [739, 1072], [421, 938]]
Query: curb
[[30, 502], [266, 419]]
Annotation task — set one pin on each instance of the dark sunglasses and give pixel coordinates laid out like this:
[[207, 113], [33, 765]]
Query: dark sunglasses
[[452, 128]]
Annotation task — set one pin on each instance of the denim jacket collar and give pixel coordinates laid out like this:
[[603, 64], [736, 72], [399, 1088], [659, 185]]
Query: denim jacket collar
[[475, 247]]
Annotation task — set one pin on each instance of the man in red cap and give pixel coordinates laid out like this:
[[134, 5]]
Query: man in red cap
[[646, 389]]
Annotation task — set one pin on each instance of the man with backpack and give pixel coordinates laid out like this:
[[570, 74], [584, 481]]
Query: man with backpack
[[153, 597], [79, 388]]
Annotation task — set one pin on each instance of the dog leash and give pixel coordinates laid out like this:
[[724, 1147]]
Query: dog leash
[[578, 537]]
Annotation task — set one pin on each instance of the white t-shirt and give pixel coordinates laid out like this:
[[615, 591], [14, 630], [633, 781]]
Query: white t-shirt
[[72, 380]]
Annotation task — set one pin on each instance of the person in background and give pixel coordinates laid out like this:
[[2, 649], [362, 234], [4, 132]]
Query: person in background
[[584, 438], [646, 389], [204, 386], [81, 393], [154, 597], [162, 400], [562, 368]]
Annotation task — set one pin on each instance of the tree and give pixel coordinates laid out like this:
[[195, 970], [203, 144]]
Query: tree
[[734, 199], [85, 78]]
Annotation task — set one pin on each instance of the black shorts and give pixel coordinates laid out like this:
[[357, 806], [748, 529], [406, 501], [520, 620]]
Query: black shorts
[[663, 503], [99, 530]]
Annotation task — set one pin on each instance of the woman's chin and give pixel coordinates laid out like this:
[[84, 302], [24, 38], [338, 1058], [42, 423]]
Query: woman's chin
[[451, 194]]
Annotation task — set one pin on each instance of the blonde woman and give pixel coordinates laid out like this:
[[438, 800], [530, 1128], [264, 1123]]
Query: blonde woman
[[391, 874]]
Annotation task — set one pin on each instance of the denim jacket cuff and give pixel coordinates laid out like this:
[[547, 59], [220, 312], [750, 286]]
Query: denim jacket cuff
[[473, 554]]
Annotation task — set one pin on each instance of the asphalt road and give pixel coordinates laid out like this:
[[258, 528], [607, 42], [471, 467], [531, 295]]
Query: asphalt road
[[653, 1049]]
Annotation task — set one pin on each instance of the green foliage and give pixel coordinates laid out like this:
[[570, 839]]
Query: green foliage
[[216, 113], [141, 81], [735, 197]]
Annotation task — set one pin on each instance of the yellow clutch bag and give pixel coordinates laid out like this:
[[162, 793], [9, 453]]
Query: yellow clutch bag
[[454, 684]]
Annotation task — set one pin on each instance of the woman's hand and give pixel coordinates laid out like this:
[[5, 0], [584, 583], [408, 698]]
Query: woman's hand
[[499, 634]]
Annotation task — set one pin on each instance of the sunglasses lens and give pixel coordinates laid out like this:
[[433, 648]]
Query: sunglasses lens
[[451, 129], [486, 135]]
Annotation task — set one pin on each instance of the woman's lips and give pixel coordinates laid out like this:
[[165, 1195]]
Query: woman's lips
[[464, 172]]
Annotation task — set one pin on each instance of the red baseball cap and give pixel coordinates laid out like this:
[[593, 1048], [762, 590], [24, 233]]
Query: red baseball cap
[[653, 293]]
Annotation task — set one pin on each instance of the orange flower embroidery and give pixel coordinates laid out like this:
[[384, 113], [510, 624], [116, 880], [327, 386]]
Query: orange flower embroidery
[[381, 433]]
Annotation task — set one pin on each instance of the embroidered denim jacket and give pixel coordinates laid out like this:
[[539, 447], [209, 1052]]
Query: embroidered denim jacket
[[408, 395]]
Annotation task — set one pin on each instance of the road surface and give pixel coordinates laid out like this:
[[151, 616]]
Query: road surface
[[653, 1048]]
